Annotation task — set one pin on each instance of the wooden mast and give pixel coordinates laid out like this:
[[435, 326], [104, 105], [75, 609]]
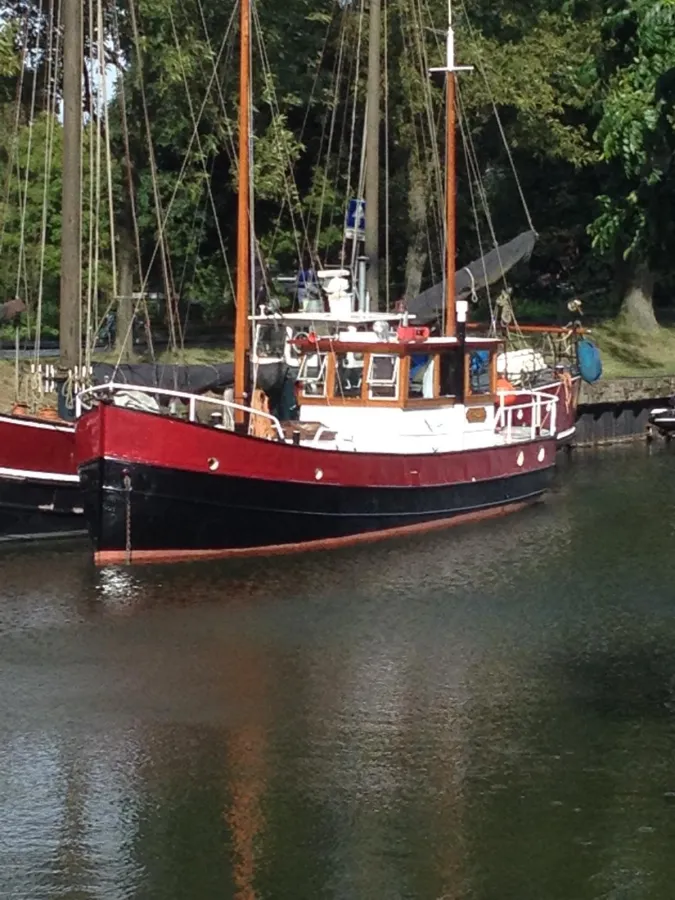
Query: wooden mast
[[449, 70], [450, 207], [71, 231], [243, 295], [372, 178]]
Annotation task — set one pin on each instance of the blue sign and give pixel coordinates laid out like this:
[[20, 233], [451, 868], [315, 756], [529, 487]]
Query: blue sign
[[355, 224]]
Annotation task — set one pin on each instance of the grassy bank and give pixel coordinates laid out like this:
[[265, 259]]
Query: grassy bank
[[626, 353]]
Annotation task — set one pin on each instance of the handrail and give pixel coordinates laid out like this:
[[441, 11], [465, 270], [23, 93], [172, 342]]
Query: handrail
[[112, 387], [538, 398]]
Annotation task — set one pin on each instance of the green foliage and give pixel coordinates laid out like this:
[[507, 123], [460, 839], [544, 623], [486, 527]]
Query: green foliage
[[635, 132], [31, 219], [583, 91]]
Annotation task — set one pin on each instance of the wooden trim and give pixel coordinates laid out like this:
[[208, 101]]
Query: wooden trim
[[403, 381], [349, 401], [467, 374], [480, 400], [426, 402]]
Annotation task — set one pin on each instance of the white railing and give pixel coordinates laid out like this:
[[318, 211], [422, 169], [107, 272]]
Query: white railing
[[542, 410], [85, 399]]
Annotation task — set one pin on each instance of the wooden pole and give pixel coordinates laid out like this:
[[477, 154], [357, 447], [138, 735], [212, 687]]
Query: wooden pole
[[243, 215], [372, 178], [71, 233], [450, 209]]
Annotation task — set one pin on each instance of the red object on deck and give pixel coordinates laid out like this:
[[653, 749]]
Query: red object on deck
[[407, 333]]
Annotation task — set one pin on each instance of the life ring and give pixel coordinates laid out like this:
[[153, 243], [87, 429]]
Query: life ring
[[506, 389]]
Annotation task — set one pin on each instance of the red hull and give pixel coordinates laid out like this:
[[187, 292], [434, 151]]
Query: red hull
[[111, 432], [159, 489], [37, 445], [39, 487]]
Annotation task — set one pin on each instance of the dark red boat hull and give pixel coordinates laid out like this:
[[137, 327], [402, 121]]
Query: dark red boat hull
[[39, 488], [156, 488]]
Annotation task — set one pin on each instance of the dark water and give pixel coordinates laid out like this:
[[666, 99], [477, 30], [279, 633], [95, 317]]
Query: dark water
[[486, 713]]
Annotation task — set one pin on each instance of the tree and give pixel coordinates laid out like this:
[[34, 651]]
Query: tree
[[635, 72]]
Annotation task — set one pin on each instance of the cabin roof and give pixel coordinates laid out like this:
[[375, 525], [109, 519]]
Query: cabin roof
[[365, 344], [352, 318]]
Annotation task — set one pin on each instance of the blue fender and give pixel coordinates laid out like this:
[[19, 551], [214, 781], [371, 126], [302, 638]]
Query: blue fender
[[590, 363]]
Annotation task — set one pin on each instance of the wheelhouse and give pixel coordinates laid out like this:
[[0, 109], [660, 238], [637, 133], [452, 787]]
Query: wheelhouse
[[363, 370]]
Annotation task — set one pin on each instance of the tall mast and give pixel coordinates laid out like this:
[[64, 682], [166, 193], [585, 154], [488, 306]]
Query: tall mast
[[450, 176], [71, 234], [450, 206], [242, 299], [372, 249]]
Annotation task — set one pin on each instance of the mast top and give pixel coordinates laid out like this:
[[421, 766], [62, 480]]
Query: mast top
[[450, 66]]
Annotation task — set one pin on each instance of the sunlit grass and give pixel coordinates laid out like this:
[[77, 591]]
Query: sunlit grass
[[628, 353]]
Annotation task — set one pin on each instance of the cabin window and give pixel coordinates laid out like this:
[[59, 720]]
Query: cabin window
[[421, 382], [312, 375], [451, 374], [479, 380], [348, 375], [383, 377]]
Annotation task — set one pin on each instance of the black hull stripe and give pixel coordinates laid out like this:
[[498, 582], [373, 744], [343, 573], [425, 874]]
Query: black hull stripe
[[173, 510]]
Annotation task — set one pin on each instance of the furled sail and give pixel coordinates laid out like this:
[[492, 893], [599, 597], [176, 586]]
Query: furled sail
[[428, 305], [195, 379]]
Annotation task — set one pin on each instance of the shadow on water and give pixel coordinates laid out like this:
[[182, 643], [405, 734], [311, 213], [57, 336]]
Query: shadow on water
[[481, 713]]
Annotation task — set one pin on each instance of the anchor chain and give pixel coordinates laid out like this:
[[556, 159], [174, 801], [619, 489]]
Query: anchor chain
[[127, 491]]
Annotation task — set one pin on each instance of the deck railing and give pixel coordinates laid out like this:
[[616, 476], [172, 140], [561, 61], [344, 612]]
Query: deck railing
[[537, 413], [85, 399]]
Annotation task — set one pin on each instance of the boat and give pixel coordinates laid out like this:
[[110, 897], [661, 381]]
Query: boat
[[39, 485], [397, 431], [663, 420]]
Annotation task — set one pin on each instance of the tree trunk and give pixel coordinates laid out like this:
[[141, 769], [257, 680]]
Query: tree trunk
[[637, 309], [416, 258], [124, 336]]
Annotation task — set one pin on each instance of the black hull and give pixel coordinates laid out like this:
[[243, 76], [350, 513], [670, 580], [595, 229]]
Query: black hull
[[177, 513], [33, 510]]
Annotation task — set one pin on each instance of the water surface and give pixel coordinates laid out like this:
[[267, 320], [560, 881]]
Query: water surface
[[479, 714]]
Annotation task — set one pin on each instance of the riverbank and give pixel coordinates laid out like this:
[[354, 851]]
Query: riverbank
[[192, 357]]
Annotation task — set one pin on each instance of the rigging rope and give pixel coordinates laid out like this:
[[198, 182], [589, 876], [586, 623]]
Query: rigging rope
[[161, 243], [387, 260], [52, 67], [350, 158], [483, 70]]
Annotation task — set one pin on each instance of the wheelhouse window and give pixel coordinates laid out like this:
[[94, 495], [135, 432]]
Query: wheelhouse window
[[383, 376], [348, 375], [312, 375], [451, 374], [421, 381], [479, 374]]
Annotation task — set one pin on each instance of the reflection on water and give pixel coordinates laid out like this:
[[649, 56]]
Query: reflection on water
[[485, 713]]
